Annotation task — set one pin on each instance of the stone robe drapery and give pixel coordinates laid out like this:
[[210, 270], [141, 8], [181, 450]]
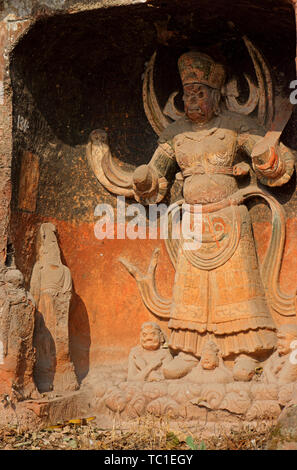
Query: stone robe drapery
[[218, 293]]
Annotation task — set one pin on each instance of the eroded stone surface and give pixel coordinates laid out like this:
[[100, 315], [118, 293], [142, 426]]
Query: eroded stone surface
[[219, 292], [17, 320], [247, 397], [51, 286], [147, 360], [193, 397]]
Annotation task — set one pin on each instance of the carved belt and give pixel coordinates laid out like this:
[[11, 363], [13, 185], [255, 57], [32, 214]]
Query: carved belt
[[199, 170], [234, 200]]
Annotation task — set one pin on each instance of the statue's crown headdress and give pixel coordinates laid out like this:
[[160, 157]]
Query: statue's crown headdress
[[196, 67]]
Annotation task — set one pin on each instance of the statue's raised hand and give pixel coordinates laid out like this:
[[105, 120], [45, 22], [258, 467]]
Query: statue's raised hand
[[145, 185], [144, 180]]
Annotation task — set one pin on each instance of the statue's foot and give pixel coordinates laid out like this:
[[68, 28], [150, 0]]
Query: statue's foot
[[180, 366]]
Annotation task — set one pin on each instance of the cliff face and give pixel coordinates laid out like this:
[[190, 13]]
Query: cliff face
[[69, 67]]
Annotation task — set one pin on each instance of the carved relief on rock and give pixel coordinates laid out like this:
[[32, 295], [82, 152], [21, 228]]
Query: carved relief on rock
[[147, 360], [164, 406], [225, 305], [51, 287], [244, 368], [17, 310], [263, 409], [244, 392], [236, 403], [211, 368], [281, 367], [220, 292]]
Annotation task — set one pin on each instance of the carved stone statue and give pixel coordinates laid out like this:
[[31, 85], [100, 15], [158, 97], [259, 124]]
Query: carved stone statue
[[281, 368], [220, 293], [17, 310], [148, 358], [244, 368], [244, 394], [211, 368], [51, 286]]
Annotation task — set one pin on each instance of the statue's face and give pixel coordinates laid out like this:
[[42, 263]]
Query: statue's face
[[243, 370], [150, 338], [209, 360], [283, 343], [198, 103]]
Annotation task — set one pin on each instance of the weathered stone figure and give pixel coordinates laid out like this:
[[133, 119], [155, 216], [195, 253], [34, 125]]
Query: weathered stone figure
[[281, 367], [218, 292], [17, 310], [211, 368], [148, 358], [244, 368], [51, 286]]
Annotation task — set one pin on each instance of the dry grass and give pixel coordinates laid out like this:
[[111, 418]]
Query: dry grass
[[146, 433]]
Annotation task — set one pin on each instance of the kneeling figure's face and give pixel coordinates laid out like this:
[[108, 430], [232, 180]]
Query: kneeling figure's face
[[150, 338], [209, 361]]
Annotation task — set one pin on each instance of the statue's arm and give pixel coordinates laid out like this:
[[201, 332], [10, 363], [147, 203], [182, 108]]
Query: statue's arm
[[272, 161], [150, 182], [67, 284], [167, 358], [35, 282], [132, 370], [135, 374], [275, 166], [138, 370]]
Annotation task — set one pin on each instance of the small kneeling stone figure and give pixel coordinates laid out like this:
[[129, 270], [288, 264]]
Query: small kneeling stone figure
[[148, 358], [244, 368], [211, 368], [280, 368]]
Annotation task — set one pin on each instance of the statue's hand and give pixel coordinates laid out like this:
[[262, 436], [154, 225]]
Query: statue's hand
[[273, 166], [155, 363], [144, 180], [241, 169], [261, 154]]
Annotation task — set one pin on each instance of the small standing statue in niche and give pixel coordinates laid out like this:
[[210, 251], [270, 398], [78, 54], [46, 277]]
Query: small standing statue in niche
[[211, 368], [51, 287], [17, 309], [147, 359], [219, 293], [281, 367]]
